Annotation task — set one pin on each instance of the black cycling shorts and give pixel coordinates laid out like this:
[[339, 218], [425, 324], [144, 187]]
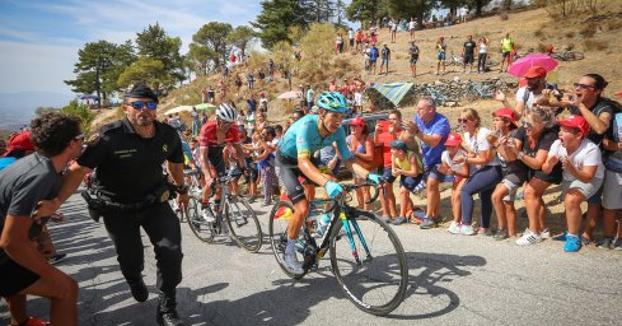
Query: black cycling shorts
[[14, 277], [288, 177], [215, 156]]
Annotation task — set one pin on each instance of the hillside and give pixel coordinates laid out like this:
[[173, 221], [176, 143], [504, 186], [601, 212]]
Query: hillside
[[597, 37]]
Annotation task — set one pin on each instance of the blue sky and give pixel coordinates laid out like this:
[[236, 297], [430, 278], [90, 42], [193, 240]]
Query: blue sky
[[39, 40]]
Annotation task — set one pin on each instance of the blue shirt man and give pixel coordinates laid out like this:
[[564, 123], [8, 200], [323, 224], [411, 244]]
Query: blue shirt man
[[431, 124]]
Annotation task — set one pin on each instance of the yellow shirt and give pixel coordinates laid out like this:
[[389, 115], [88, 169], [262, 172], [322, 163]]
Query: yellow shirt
[[507, 44], [404, 164]]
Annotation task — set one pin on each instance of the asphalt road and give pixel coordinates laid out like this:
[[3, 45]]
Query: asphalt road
[[454, 280]]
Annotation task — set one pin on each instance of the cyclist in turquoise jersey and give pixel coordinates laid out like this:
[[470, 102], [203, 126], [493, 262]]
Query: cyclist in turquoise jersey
[[294, 159]]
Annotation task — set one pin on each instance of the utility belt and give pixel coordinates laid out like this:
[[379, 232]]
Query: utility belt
[[101, 202]]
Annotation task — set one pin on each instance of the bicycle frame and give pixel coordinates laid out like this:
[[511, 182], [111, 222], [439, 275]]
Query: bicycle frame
[[342, 215]]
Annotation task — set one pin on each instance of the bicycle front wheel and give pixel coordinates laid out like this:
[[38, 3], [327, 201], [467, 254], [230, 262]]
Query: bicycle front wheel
[[369, 263], [243, 224], [202, 229]]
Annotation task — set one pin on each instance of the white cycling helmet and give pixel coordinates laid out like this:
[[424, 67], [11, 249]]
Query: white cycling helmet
[[226, 112]]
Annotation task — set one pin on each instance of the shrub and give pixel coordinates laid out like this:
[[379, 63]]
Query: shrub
[[570, 34]]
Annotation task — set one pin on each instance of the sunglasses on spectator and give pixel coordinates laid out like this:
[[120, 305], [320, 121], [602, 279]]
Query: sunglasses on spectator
[[583, 86], [461, 120], [139, 105]]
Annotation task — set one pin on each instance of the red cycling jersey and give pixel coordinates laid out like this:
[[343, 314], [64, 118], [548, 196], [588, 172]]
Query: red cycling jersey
[[207, 137]]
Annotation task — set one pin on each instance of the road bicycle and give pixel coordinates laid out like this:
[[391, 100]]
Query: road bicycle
[[193, 180], [367, 257], [234, 216], [568, 55]]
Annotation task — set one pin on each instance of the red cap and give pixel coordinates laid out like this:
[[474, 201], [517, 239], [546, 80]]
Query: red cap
[[454, 139], [506, 113], [535, 72], [576, 122], [20, 141], [358, 121]]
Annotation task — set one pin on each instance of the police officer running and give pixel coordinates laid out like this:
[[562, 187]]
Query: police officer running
[[132, 192]]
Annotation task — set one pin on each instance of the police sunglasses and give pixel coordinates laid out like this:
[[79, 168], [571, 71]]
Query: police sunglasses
[[139, 105]]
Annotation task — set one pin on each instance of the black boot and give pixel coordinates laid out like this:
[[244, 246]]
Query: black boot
[[166, 313], [138, 289]]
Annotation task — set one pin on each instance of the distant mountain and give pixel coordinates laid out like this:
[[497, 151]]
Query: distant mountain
[[16, 109]]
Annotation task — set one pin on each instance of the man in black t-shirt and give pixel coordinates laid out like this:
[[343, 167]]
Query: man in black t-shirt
[[132, 192], [414, 56], [23, 185], [468, 55], [385, 54]]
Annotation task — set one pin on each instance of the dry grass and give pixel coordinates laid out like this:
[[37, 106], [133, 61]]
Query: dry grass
[[570, 34], [594, 45], [588, 31]]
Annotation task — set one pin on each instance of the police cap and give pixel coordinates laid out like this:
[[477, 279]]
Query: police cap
[[142, 91]]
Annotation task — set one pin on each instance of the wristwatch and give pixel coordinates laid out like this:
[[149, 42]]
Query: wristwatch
[[520, 155]]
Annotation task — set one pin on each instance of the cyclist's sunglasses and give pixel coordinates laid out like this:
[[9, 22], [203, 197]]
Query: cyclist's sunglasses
[[139, 105]]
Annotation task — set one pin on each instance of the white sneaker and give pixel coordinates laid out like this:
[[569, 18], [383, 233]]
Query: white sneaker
[[454, 228], [207, 216], [546, 234], [528, 238], [291, 263], [467, 230]]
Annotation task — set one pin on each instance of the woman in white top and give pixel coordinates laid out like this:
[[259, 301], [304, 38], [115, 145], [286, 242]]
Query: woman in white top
[[485, 171], [483, 55], [583, 172]]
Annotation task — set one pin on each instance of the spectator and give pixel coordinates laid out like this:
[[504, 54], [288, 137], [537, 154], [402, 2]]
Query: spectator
[[238, 83], [310, 96], [270, 69], [250, 80], [441, 48], [432, 129], [386, 56], [527, 96], [351, 39], [211, 95], [204, 95], [411, 28], [407, 165], [583, 172], [332, 86], [265, 164], [196, 122], [414, 56], [278, 130], [366, 52], [459, 172], [507, 46], [261, 122], [359, 40], [339, 44], [373, 57], [251, 103], [24, 184], [173, 121], [362, 146], [482, 180], [263, 102], [468, 54], [513, 170], [393, 25], [612, 192], [384, 134], [598, 111], [250, 120], [482, 55]]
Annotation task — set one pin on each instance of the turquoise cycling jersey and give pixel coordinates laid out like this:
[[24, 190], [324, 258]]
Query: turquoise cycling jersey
[[303, 138]]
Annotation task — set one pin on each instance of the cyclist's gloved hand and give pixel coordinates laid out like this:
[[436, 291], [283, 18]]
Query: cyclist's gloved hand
[[373, 178], [333, 189]]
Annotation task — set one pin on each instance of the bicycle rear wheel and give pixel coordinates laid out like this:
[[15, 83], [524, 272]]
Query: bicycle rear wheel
[[277, 231], [202, 229], [243, 224], [369, 263]]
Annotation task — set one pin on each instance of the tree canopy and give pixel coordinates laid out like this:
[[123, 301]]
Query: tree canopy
[[275, 19]]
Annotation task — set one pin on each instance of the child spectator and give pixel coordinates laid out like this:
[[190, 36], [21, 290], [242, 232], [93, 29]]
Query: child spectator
[[583, 172], [460, 171], [265, 164], [407, 165]]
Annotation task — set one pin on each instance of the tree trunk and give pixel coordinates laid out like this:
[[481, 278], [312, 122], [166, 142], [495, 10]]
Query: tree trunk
[[98, 89], [478, 7]]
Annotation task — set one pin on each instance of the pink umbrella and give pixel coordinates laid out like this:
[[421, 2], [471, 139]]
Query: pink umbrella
[[520, 66]]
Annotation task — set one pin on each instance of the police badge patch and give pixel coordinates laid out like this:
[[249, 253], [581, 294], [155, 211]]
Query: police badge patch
[[93, 139]]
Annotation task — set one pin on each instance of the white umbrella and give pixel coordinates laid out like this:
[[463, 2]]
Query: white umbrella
[[183, 108], [289, 95]]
